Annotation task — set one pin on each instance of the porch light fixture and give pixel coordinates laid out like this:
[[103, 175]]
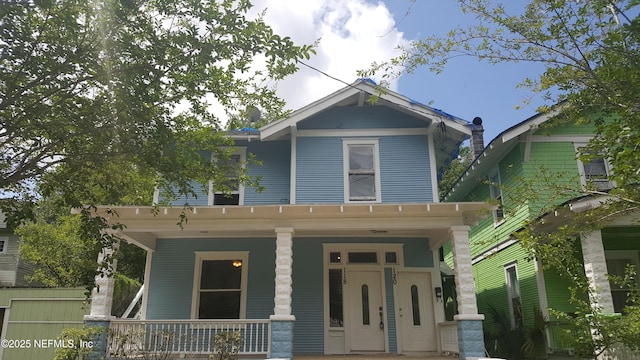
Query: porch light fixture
[[237, 263]]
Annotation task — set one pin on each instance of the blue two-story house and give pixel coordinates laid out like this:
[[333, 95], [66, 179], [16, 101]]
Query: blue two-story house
[[338, 254]]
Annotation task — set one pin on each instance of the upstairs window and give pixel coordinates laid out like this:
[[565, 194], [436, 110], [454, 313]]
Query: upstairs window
[[361, 171], [3, 244], [495, 188], [595, 172], [232, 191]]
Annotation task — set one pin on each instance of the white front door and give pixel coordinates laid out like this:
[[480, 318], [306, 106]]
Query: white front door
[[415, 312], [365, 311]]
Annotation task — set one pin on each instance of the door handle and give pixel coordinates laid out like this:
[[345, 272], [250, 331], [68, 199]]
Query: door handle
[[381, 322]]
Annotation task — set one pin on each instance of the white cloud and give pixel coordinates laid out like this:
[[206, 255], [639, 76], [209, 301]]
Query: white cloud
[[352, 34]]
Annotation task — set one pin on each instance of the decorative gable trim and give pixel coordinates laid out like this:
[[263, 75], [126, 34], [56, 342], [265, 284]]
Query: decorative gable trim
[[361, 132], [356, 93]]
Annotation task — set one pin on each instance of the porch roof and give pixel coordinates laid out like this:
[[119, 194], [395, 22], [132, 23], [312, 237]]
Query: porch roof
[[430, 220]]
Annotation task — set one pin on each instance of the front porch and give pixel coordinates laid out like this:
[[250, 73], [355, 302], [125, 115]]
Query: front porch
[[196, 339], [366, 279]]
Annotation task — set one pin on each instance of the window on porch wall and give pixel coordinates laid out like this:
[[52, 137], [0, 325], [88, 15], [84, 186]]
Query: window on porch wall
[[220, 289]]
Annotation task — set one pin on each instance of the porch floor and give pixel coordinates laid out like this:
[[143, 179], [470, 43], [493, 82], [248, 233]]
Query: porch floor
[[374, 357]]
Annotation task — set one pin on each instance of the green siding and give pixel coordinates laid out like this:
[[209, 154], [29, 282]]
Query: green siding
[[486, 234], [568, 129], [557, 292], [555, 161], [551, 163], [40, 314], [491, 282]]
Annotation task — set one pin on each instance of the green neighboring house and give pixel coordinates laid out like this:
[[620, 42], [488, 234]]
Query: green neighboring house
[[31, 319], [12, 269], [506, 279]]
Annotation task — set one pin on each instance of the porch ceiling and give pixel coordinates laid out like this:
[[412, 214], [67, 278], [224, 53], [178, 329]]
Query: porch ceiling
[[430, 220]]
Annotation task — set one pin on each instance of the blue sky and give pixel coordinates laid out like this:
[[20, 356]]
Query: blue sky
[[351, 34], [467, 87]]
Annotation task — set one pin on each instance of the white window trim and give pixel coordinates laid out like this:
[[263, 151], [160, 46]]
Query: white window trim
[[201, 256], [376, 164], [583, 176], [4, 239], [242, 151], [508, 284], [495, 173]]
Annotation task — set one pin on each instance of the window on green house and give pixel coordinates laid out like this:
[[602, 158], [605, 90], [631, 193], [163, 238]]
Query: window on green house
[[513, 293], [617, 263], [495, 188], [594, 172]]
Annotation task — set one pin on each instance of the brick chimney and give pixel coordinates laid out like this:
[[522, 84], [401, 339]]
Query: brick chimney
[[477, 140]]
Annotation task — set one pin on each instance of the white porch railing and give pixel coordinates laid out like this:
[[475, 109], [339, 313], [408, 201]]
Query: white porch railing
[[449, 336], [160, 337]]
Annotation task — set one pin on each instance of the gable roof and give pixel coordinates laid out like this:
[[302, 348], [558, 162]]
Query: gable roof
[[451, 130], [494, 152], [358, 94]]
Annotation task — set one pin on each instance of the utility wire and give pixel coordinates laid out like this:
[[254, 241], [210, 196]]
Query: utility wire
[[400, 105], [327, 75]]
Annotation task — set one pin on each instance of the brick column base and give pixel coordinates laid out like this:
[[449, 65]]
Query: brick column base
[[281, 339], [99, 340], [470, 339]]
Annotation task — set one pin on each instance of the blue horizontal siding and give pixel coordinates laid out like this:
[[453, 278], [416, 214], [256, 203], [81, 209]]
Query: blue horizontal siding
[[319, 171], [274, 170], [361, 117], [199, 198], [308, 298], [172, 270], [405, 174]]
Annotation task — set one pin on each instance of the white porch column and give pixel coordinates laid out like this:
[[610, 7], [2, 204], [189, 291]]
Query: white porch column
[[465, 284], [102, 294], [282, 319], [283, 281], [469, 322], [595, 267]]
